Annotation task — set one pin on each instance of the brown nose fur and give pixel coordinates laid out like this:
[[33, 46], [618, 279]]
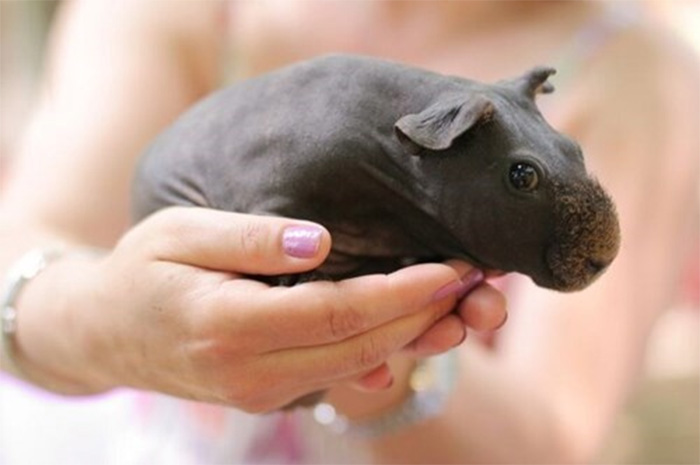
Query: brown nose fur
[[586, 234]]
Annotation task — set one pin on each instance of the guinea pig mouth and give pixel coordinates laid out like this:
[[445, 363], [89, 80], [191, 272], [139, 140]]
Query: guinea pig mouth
[[572, 273], [586, 236]]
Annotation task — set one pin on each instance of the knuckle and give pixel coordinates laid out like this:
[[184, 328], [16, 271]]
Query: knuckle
[[387, 290], [253, 239], [344, 320], [215, 351], [371, 352], [171, 226], [218, 348], [215, 342]]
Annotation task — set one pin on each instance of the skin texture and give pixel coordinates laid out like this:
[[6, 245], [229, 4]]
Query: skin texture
[[401, 166]]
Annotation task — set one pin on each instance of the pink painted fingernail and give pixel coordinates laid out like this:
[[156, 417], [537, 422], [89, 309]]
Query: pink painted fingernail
[[302, 241], [471, 280], [461, 287], [453, 288]]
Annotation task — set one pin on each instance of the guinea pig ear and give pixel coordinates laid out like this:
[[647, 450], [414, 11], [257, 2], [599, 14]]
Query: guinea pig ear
[[535, 81], [437, 127]]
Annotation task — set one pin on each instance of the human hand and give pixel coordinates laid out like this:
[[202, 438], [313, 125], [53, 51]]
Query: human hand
[[480, 307], [170, 310]]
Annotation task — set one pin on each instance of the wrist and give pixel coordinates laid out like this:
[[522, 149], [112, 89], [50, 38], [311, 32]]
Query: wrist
[[48, 347]]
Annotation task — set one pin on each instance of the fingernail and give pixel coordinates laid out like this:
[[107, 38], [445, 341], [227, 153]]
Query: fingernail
[[461, 287], [453, 288], [301, 241], [470, 280]]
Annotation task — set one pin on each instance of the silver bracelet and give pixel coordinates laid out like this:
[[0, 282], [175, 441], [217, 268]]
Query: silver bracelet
[[431, 383], [24, 270]]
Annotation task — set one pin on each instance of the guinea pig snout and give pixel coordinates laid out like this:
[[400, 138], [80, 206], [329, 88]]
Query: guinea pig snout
[[573, 270], [599, 261], [595, 266], [586, 235]]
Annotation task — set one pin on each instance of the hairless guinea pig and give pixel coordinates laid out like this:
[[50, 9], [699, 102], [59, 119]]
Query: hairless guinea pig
[[400, 164]]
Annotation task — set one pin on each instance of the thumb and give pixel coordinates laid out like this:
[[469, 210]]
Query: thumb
[[237, 242]]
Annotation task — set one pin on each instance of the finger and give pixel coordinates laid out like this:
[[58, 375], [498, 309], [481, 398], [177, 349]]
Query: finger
[[324, 312], [441, 337], [376, 380], [354, 356], [471, 277], [484, 309], [243, 243]]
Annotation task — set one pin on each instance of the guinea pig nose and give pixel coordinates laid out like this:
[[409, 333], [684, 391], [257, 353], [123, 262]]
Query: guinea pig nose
[[595, 266]]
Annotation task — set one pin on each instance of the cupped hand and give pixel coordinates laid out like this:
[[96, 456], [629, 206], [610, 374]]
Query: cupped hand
[[480, 307], [170, 310]]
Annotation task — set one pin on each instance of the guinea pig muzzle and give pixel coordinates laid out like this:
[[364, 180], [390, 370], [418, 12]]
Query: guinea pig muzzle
[[586, 235]]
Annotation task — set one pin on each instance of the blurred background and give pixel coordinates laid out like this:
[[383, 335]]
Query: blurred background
[[661, 423]]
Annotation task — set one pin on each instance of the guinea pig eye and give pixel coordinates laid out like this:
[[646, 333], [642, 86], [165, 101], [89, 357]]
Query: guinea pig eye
[[523, 177]]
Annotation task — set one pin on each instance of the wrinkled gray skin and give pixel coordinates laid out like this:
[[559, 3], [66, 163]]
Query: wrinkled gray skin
[[400, 165]]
